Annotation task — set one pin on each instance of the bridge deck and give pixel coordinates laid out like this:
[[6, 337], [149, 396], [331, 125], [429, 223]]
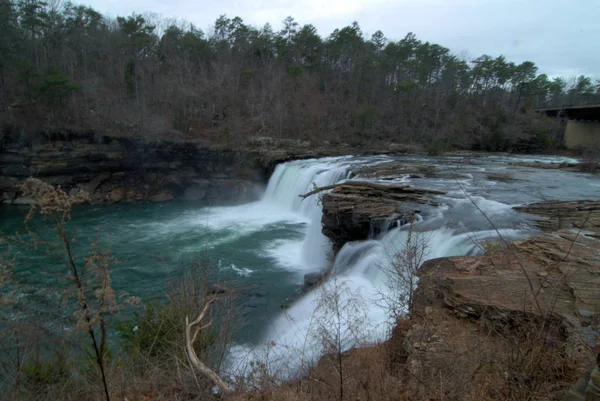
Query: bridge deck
[[588, 112]]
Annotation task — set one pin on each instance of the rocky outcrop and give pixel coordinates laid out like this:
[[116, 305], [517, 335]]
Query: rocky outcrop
[[555, 215], [356, 209], [479, 322], [124, 169]]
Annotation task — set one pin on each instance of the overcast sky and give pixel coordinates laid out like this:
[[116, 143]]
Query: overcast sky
[[561, 36]]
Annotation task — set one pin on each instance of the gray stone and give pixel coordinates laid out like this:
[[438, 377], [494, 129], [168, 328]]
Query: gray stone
[[312, 279]]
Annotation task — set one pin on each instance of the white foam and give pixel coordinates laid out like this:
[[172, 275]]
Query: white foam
[[287, 254], [249, 218]]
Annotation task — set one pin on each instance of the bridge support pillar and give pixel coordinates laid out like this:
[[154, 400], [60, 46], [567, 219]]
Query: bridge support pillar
[[582, 134]]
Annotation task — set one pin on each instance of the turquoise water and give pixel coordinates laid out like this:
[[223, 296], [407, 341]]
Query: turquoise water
[[154, 242]]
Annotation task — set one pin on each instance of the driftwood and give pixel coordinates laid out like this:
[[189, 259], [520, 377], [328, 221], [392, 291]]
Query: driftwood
[[372, 185], [191, 353]]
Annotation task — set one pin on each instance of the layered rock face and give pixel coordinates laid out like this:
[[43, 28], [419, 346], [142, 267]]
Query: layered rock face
[[556, 215], [122, 169], [355, 210]]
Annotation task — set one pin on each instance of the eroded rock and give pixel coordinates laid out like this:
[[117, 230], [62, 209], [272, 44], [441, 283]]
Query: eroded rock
[[124, 169]]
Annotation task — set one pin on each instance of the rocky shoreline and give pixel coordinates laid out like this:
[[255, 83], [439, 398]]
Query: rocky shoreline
[[545, 287], [115, 170]]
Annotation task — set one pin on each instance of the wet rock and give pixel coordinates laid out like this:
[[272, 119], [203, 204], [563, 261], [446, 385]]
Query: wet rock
[[134, 194], [194, 193], [117, 195], [312, 279]]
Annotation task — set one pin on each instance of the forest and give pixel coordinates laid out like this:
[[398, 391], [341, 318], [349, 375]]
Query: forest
[[66, 67]]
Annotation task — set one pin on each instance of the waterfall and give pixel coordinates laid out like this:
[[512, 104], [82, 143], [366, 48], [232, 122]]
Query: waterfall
[[289, 180], [455, 229]]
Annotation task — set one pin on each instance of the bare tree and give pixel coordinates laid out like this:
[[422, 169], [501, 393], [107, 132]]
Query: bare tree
[[401, 271], [339, 324]]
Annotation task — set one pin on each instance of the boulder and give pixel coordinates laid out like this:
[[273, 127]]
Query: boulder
[[117, 195]]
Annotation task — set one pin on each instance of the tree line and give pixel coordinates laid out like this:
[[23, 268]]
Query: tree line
[[66, 66]]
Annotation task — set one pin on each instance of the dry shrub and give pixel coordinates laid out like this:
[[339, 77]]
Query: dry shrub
[[514, 358], [156, 367], [367, 377]]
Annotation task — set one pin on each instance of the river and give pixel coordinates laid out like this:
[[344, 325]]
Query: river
[[264, 248]]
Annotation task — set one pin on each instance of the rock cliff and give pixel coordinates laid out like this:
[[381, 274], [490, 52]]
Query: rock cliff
[[119, 169], [123, 169]]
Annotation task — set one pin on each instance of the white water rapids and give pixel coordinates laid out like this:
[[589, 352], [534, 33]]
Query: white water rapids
[[292, 341]]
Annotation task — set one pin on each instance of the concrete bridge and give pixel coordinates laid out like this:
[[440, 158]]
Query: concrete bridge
[[583, 125]]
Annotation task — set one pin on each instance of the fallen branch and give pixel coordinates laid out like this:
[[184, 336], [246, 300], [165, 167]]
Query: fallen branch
[[373, 185], [191, 353], [317, 190]]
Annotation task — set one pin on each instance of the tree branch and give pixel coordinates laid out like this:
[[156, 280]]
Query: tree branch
[[375, 186], [191, 353]]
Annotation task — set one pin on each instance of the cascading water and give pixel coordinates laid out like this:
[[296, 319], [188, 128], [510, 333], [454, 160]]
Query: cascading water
[[282, 204], [295, 178]]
